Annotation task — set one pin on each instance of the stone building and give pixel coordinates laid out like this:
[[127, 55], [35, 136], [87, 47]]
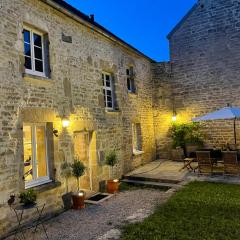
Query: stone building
[[69, 87], [203, 74]]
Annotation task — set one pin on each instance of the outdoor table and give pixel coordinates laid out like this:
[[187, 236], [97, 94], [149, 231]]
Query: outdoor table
[[19, 212]]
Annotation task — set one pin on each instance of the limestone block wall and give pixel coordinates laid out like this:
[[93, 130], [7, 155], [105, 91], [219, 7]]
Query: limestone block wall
[[205, 53], [74, 89], [162, 107]]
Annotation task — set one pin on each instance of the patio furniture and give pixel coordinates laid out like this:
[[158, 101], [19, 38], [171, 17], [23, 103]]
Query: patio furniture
[[205, 165], [187, 163], [19, 212], [231, 165]]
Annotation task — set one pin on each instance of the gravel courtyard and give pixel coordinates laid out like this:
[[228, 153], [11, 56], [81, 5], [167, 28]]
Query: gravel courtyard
[[104, 221]]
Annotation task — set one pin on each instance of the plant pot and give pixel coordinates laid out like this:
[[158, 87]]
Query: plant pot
[[78, 200], [67, 200], [112, 186], [177, 154]]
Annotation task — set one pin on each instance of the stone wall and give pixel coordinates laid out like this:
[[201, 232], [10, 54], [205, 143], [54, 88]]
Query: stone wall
[[205, 56], [162, 107], [75, 90]]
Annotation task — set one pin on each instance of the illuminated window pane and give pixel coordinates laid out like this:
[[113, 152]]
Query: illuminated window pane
[[41, 161], [27, 146], [35, 154]]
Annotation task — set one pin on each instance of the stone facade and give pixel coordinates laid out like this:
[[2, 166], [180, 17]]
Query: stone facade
[[205, 74], [73, 90], [202, 75]]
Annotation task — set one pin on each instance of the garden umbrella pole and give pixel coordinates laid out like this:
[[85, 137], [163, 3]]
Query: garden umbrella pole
[[222, 114]]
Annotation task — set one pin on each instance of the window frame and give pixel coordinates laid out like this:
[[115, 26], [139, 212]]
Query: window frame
[[41, 180], [106, 88], [131, 79], [32, 57], [136, 137]]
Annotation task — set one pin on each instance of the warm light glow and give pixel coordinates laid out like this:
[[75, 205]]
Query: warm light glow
[[81, 194], [115, 180], [174, 118], [65, 123]]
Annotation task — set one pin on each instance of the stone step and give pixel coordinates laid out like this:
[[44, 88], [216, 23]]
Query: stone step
[[153, 184], [149, 179]]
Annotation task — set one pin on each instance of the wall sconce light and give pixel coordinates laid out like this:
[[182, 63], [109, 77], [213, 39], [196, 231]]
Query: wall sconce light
[[65, 122], [174, 116]]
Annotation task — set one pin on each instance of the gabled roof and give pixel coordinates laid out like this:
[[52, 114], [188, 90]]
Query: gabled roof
[[69, 10], [182, 21]]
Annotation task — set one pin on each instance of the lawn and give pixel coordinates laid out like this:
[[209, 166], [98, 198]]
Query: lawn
[[201, 210]]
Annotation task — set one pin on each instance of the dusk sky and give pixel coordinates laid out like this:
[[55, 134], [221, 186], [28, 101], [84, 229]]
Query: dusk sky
[[142, 23]]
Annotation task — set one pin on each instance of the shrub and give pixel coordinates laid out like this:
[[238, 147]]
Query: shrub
[[28, 197], [111, 159], [78, 170]]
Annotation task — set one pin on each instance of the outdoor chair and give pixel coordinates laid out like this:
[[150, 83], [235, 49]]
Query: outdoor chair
[[205, 165], [231, 166]]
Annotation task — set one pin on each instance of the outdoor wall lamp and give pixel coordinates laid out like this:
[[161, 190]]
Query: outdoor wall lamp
[[65, 122], [174, 116]]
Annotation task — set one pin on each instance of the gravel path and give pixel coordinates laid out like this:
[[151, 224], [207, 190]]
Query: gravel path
[[102, 222]]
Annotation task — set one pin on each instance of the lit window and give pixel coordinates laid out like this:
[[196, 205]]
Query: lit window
[[36, 170], [130, 80], [137, 137], [35, 61], [108, 90]]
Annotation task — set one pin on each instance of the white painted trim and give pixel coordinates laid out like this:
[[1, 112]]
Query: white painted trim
[[41, 180], [33, 71], [105, 88]]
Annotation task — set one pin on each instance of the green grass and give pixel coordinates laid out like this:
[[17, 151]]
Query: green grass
[[202, 210]]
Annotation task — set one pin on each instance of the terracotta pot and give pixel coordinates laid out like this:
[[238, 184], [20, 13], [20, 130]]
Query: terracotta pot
[[78, 200], [112, 186]]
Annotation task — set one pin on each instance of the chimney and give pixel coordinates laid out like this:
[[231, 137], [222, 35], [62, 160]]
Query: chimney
[[92, 17]]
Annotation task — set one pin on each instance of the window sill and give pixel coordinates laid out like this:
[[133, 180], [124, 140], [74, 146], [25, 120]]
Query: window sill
[[137, 153], [112, 110], [132, 93], [47, 186], [30, 77]]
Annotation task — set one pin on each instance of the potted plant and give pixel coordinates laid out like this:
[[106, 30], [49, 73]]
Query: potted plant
[[78, 197], [66, 172], [111, 161], [28, 197], [186, 135]]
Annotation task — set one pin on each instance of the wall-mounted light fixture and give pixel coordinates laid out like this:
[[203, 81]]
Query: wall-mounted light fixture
[[65, 122], [174, 116]]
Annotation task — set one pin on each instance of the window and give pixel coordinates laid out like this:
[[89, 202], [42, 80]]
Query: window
[[34, 52], [130, 80], [137, 137], [36, 170], [108, 90]]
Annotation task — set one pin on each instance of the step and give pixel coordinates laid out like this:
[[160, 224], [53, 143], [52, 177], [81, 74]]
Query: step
[[155, 184], [149, 179]]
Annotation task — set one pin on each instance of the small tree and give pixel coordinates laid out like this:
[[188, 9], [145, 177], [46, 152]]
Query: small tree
[[111, 159], [78, 170], [66, 172]]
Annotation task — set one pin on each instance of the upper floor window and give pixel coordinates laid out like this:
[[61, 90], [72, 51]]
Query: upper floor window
[[130, 80], [108, 90], [35, 52], [36, 167]]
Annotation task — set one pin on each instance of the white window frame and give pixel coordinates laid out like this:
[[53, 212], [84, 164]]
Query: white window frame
[[41, 180], [131, 79], [106, 88], [33, 71]]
